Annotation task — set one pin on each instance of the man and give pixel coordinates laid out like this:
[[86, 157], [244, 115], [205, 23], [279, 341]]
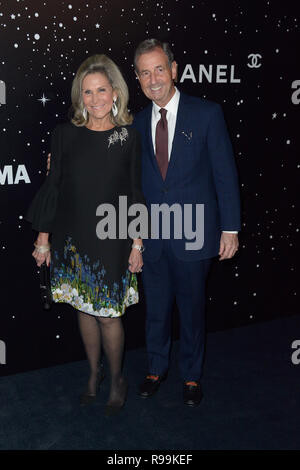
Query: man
[[186, 159]]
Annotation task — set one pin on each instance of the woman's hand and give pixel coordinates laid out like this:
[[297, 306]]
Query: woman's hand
[[40, 252], [48, 163], [40, 258], [135, 261]]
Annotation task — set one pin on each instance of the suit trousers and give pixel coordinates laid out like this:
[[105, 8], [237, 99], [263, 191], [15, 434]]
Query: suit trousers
[[165, 281]]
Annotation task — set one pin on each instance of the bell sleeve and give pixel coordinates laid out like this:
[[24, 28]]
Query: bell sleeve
[[42, 211]]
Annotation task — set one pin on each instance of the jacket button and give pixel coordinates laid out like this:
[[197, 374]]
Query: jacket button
[[165, 190]]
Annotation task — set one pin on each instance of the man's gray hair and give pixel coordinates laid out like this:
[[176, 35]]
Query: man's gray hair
[[148, 45]]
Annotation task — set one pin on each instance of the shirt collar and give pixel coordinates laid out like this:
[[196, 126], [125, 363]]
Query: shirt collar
[[171, 106]]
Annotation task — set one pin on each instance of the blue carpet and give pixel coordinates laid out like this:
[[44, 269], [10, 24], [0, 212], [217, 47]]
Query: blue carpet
[[251, 401]]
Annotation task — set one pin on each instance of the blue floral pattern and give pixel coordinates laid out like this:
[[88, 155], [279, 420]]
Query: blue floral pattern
[[81, 284]]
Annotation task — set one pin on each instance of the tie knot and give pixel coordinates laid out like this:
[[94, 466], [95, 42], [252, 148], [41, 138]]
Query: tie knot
[[163, 113]]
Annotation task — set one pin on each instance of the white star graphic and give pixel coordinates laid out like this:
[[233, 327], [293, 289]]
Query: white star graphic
[[13, 17], [274, 115], [44, 99], [97, 25]]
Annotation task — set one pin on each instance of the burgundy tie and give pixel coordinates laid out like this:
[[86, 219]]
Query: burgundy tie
[[161, 143]]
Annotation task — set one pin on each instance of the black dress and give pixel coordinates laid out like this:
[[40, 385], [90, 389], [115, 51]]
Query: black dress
[[89, 168]]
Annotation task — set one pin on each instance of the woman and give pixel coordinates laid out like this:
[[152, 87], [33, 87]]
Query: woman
[[94, 159]]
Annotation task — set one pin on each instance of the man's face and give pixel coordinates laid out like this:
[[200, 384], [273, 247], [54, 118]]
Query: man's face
[[156, 76]]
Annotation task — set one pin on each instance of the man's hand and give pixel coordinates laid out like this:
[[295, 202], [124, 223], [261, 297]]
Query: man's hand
[[48, 163], [229, 245]]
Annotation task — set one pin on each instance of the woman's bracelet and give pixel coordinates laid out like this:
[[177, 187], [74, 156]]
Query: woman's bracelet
[[141, 248], [42, 248]]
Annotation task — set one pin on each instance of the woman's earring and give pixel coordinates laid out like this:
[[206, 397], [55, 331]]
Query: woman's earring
[[114, 108], [84, 113]]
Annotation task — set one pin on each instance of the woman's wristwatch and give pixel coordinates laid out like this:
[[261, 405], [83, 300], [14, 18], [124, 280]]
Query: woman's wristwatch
[[141, 248]]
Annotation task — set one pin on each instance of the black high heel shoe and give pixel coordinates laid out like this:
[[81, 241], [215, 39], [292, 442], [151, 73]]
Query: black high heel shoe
[[115, 408], [89, 398]]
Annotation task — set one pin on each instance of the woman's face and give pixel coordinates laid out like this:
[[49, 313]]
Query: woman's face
[[97, 96]]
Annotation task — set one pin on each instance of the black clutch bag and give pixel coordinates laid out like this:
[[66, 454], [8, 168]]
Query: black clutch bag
[[45, 287]]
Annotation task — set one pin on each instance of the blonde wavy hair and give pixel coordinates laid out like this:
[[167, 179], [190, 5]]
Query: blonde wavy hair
[[100, 63]]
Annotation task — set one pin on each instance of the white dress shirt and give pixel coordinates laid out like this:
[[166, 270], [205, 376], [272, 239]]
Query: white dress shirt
[[171, 116]]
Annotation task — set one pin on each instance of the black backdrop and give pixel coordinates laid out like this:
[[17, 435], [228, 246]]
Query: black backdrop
[[248, 53]]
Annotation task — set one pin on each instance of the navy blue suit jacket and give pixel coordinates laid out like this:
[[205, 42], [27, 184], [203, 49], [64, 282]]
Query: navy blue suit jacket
[[201, 171]]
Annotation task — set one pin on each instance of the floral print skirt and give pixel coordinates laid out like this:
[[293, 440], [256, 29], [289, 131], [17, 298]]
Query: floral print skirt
[[77, 281]]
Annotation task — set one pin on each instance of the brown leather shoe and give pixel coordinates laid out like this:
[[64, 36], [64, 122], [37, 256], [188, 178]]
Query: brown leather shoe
[[192, 393], [150, 385]]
